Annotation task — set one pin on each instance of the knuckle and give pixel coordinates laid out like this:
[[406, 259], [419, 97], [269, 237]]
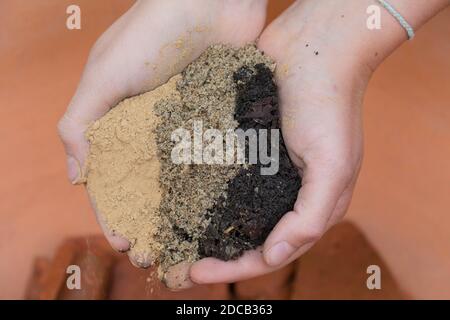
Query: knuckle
[[61, 127], [313, 233], [67, 131], [101, 51], [97, 52], [339, 160], [345, 171], [342, 167]]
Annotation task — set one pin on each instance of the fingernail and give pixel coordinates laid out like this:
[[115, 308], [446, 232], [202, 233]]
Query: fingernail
[[279, 253], [73, 169]]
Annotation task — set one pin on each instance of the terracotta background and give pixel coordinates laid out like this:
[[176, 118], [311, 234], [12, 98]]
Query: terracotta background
[[402, 200]]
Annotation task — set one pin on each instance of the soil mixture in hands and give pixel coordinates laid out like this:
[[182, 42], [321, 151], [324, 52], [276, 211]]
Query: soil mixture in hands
[[183, 212]]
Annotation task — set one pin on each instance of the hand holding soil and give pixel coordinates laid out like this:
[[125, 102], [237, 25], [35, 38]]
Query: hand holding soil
[[151, 43], [321, 77], [325, 56]]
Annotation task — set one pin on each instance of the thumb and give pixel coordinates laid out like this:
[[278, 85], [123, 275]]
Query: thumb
[[316, 201]]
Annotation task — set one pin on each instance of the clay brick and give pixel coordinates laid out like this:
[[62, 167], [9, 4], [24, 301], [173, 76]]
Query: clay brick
[[105, 274], [276, 285], [96, 270], [130, 282], [94, 257], [37, 279], [56, 275]]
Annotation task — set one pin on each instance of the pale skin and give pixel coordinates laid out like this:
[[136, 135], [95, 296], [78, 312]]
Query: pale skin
[[325, 56]]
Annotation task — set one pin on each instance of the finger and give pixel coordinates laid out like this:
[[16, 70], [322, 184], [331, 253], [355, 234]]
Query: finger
[[178, 277], [212, 270], [117, 242], [250, 265], [316, 201], [140, 259]]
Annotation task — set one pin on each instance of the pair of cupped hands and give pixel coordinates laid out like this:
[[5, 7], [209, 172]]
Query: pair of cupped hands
[[322, 72]]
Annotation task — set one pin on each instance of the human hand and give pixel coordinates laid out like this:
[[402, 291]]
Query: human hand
[[325, 56], [323, 68], [153, 41]]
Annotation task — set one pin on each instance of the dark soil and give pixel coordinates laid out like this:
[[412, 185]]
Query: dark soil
[[254, 203]]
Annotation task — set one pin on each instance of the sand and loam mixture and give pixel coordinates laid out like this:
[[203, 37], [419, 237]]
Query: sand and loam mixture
[[183, 212]]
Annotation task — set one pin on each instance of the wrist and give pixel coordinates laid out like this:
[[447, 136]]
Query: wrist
[[342, 26], [376, 44]]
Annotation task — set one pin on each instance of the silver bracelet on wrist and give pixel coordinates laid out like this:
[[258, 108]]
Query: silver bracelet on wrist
[[398, 17]]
